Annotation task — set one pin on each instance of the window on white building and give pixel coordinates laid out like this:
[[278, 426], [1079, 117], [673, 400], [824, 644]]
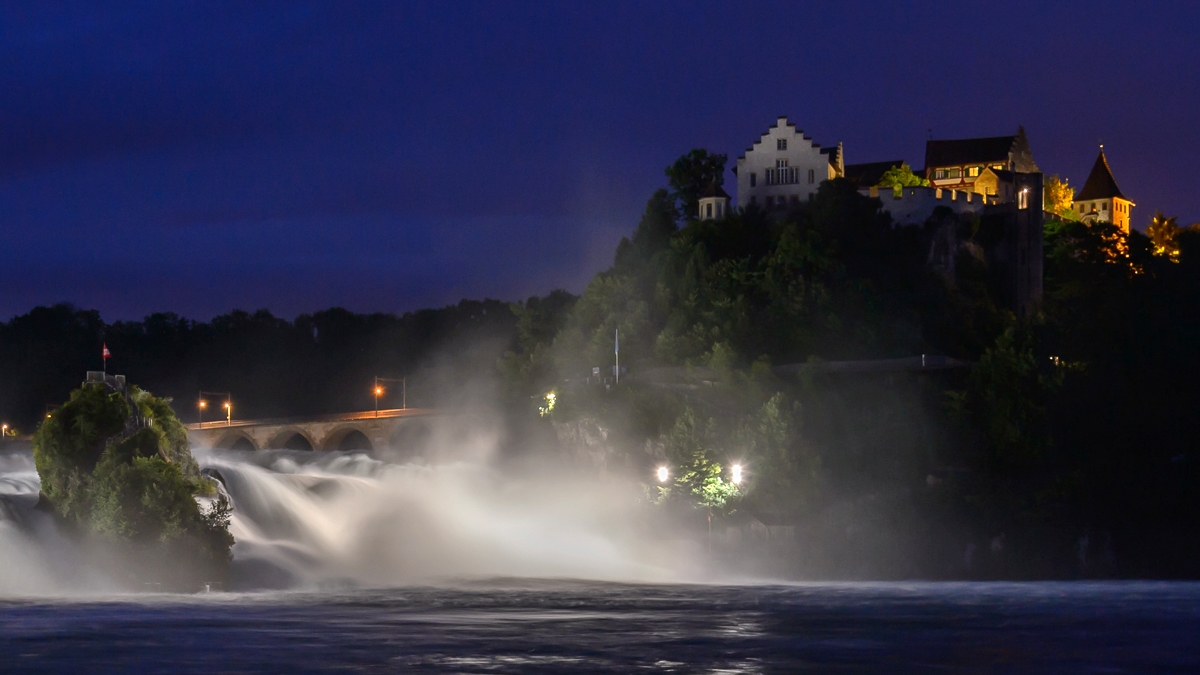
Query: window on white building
[[780, 163], [781, 144], [753, 179], [939, 174], [973, 172], [812, 176]]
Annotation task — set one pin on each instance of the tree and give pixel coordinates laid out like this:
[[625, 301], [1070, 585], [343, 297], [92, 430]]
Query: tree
[[130, 480], [691, 175], [901, 177], [690, 447], [1164, 233], [1059, 198]]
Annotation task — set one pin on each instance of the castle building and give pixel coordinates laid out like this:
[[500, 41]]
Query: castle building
[[1101, 200], [784, 167], [992, 181], [958, 164]]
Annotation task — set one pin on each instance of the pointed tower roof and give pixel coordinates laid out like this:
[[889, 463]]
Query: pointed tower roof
[[714, 190], [1100, 182]]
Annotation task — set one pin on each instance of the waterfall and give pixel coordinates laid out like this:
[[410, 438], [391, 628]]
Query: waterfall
[[303, 518]]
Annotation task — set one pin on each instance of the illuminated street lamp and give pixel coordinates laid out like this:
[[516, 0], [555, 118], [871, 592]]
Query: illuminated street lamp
[[3, 431], [662, 474], [202, 404], [228, 414], [737, 474], [379, 390]]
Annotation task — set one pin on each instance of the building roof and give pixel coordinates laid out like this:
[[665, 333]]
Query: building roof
[[1100, 182], [870, 173], [782, 120], [968, 151], [714, 190]]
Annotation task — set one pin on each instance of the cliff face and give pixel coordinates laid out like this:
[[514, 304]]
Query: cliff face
[[590, 444]]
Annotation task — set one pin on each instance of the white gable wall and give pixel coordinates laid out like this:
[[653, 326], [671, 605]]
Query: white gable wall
[[808, 167]]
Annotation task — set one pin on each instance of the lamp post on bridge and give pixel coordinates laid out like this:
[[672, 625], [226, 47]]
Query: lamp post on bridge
[[202, 405], [378, 391]]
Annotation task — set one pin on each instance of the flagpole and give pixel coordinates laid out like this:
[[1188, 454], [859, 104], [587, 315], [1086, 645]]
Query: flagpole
[[617, 351]]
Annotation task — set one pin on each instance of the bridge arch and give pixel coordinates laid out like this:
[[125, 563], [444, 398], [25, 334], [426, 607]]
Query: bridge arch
[[347, 437], [236, 439], [292, 438]]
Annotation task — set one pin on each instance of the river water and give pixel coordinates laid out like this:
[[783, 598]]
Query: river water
[[349, 563]]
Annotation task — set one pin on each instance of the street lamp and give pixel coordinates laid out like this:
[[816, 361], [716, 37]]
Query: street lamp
[[737, 474], [200, 406], [3, 431], [379, 391], [662, 474], [228, 414]]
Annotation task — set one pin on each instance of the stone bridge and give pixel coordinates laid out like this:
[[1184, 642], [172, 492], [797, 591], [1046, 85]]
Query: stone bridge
[[348, 431]]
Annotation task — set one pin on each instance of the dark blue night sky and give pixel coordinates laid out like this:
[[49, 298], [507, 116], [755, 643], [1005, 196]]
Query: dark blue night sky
[[201, 157]]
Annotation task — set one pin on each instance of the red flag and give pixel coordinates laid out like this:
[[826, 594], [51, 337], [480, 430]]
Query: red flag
[[107, 354]]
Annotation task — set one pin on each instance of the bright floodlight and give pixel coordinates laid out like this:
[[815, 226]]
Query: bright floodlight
[[662, 474], [737, 474]]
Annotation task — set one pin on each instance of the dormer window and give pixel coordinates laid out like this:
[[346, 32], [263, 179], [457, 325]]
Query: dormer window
[[781, 144], [973, 172], [939, 174]]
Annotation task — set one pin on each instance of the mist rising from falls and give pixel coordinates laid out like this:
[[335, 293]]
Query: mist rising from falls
[[312, 518], [35, 559]]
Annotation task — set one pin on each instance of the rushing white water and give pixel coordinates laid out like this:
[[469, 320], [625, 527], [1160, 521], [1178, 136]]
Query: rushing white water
[[304, 518], [314, 519]]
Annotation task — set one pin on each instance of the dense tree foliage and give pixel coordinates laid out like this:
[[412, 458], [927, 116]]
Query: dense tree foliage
[[1059, 198], [118, 467], [317, 363], [1071, 438], [900, 177]]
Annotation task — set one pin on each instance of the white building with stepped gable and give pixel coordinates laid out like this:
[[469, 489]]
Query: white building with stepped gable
[[784, 167]]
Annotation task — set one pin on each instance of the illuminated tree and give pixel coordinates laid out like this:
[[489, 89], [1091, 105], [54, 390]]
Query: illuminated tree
[[901, 177], [1059, 198], [1164, 234]]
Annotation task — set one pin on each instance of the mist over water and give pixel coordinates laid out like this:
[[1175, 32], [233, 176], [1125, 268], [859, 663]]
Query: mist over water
[[304, 519], [317, 520]]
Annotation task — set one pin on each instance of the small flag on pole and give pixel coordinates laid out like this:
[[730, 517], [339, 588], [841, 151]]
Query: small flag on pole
[[107, 354]]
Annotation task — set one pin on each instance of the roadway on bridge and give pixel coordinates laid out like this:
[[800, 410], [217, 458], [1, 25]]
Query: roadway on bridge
[[336, 417]]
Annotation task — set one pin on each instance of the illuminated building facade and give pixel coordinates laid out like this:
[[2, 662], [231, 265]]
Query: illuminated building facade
[[784, 167], [1101, 200]]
